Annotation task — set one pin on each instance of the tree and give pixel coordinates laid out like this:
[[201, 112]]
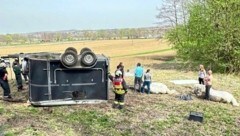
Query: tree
[[210, 35], [58, 37], [8, 38], [172, 13]]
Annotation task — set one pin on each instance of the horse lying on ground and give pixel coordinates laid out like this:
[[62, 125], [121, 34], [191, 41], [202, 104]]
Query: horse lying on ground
[[156, 88], [215, 95], [161, 88]]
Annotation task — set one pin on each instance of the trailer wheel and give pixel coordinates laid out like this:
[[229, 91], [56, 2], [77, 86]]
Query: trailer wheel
[[69, 58], [88, 58], [71, 49], [84, 49]]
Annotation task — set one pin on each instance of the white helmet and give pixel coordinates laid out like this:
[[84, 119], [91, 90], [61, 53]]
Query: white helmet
[[118, 73]]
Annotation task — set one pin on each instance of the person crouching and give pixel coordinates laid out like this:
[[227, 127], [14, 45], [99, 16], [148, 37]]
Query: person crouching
[[120, 89]]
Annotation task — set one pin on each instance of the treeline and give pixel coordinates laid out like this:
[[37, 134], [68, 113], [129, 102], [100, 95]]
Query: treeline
[[78, 35], [210, 35]]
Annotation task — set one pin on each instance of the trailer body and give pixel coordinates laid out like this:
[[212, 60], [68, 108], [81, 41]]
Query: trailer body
[[52, 83]]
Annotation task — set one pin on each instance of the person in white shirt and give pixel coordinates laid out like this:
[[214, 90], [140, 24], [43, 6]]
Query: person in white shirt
[[201, 74], [25, 69], [147, 81]]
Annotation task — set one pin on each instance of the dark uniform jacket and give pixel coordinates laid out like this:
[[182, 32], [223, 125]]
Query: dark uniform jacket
[[17, 69], [3, 71]]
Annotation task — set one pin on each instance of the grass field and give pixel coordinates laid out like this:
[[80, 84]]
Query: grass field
[[154, 114]]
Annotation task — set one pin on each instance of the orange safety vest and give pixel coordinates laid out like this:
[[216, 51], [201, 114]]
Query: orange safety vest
[[117, 84]]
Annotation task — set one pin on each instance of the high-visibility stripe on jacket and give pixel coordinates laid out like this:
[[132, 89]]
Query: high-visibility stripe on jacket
[[118, 87]]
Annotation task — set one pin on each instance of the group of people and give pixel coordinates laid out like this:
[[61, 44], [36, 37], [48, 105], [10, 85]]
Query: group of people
[[120, 86], [205, 78], [138, 79], [19, 70]]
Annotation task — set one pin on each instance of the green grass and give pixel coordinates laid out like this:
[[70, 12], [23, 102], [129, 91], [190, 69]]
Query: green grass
[[144, 114], [92, 120], [155, 114], [167, 123], [1, 110]]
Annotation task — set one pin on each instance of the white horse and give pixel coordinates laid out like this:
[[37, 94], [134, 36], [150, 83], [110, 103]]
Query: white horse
[[161, 88], [215, 95]]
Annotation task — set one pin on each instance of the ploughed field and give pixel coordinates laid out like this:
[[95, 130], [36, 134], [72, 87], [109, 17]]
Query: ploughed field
[[154, 114]]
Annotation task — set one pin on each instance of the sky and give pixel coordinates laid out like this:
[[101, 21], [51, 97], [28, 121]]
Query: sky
[[24, 16]]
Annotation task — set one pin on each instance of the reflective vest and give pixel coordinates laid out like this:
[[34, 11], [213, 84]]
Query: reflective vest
[[117, 85]]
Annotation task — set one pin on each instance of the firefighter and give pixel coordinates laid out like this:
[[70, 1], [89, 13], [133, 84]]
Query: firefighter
[[4, 82], [17, 71], [120, 89]]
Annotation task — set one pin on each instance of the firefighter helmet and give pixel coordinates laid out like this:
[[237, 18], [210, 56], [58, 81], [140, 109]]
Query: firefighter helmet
[[118, 73]]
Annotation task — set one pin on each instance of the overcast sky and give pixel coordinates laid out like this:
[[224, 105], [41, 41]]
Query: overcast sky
[[21, 16]]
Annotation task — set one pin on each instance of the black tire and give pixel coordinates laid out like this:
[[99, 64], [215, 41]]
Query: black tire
[[84, 49], [71, 49], [88, 58], [69, 58]]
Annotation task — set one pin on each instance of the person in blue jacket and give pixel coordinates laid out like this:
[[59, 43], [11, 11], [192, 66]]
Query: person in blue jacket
[[138, 77]]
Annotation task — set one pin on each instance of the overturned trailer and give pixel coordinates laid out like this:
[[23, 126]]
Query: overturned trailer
[[68, 78]]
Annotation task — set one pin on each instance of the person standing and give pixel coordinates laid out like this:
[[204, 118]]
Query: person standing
[[16, 61], [208, 84], [120, 89], [138, 77], [201, 74], [147, 81], [4, 82], [25, 69], [121, 68], [17, 72]]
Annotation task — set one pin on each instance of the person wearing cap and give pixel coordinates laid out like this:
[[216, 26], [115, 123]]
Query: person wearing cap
[[2, 63], [17, 72], [4, 82], [120, 89]]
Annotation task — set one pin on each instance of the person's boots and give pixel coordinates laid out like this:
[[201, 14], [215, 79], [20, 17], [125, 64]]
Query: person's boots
[[7, 98], [115, 106], [120, 107], [20, 88]]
